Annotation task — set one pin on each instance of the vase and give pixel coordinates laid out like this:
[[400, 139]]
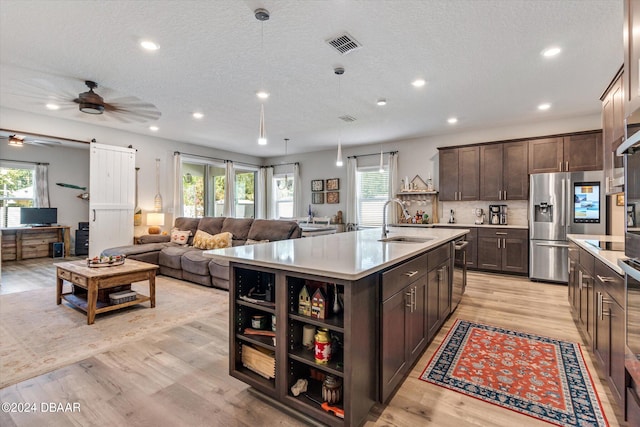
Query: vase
[[337, 308]]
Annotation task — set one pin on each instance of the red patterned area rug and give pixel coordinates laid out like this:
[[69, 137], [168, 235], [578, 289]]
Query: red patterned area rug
[[541, 377]]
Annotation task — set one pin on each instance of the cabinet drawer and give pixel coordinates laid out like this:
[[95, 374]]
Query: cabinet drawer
[[438, 256], [63, 274], [587, 261], [611, 281], [633, 407], [78, 280], [396, 278]]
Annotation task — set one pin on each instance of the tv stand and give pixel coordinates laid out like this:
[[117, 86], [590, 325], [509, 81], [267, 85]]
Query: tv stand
[[20, 243]]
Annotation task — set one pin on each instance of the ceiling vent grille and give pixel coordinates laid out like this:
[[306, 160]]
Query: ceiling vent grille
[[344, 43], [347, 118]]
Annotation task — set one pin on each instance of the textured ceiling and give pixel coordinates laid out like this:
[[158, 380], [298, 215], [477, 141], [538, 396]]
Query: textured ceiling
[[481, 60]]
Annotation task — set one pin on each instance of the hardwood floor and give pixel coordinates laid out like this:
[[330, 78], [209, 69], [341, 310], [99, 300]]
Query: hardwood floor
[[179, 377]]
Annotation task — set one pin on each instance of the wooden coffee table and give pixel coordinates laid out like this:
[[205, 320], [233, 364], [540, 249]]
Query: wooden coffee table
[[94, 279]]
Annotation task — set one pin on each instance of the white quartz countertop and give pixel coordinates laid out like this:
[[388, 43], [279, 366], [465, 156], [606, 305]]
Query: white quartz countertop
[[610, 258], [462, 225], [349, 256]]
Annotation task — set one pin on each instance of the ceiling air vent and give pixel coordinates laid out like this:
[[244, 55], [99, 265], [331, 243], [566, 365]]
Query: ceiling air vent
[[344, 43], [347, 118]]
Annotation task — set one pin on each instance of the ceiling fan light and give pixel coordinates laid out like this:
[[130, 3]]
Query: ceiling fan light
[[15, 142], [91, 108]]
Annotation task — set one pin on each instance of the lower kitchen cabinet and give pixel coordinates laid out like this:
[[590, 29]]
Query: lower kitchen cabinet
[[503, 249], [574, 293]]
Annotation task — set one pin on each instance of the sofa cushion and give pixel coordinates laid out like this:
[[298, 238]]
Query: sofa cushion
[[264, 229], [212, 225], [250, 242], [180, 237], [204, 240], [219, 268], [195, 263], [170, 256], [153, 238], [239, 227], [185, 223]]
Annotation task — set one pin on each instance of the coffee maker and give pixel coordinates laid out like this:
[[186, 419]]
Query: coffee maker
[[498, 214]]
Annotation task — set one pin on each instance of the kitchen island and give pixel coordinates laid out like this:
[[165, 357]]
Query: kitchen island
[[379, 302]]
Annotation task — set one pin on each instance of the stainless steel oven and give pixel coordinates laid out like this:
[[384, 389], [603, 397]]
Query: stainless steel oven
[[459, 272]]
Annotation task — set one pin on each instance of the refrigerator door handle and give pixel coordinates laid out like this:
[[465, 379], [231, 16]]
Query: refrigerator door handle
[[562, 204], [553, 245], [568, 202]]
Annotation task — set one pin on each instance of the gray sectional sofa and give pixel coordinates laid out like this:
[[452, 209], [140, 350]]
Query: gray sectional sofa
[[188, 263]]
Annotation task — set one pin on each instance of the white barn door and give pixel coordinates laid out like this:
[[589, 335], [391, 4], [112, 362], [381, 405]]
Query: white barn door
[[112, 189]]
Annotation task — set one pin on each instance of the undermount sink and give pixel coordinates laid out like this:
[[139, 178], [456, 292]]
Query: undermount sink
[[406, 239]]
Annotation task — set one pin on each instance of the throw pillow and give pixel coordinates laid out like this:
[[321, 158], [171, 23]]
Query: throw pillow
[[204, 240], [255, 242], [180, 237]]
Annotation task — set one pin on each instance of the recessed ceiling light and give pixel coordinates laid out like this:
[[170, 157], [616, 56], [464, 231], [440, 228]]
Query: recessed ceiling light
[[551, 51], [452, 120], [262, 94], [149, 45], [381, 102], [52, 106], [418, 83], [198, 115], [154, 128], [544, 106]]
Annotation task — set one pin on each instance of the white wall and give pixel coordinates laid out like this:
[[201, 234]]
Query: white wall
[[418, 156], [71, 165]]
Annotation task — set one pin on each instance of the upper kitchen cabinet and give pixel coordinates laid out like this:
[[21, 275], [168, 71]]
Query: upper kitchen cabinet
[[631, 37], [613, 133], [459, 173], [503, 171], [572, 153]]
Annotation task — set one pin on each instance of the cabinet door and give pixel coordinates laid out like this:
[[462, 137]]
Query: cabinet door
[[515, 253], [433, 313], [416, 313], [586, 315], [573, 277], [448, 174], [545, 155], [491, 167], [617, 347], [489, 251], [472, 248], [515, 179], [583, 152], [601, 335], [444, 292], [469, 172], [394, 343]]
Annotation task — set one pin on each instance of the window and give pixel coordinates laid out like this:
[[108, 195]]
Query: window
[[202, 189], [245, 192], [283, 194], [16, 191], [373, 191]]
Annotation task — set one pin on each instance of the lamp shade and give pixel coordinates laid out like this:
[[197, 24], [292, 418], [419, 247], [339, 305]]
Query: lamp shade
[[155, 220]]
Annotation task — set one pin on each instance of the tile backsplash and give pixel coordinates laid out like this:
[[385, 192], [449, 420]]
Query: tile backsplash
[[517, 211]]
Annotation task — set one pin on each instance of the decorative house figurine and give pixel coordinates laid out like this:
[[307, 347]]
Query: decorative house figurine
[[304, 302], [319, 305]]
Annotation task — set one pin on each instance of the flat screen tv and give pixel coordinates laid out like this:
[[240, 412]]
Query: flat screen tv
[[38, 216]]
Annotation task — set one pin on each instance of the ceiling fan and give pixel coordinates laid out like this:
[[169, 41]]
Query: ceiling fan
[[124, 109], [15, 140]]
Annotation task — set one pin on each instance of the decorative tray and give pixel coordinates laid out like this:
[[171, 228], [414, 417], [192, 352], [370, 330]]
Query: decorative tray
[[105, 261]]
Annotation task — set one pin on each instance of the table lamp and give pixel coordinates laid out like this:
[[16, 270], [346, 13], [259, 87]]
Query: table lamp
[[155, 220]]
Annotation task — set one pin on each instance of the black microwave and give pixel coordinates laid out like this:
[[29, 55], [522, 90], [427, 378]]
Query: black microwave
[[630, 149]]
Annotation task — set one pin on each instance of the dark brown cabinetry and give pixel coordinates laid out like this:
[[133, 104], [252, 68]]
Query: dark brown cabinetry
[[502, 249], [459, 173], [572, 153], [585, 313], [574, 292], [609, 330], [472, 247], [415, 303], [503, 171], [613, 133]]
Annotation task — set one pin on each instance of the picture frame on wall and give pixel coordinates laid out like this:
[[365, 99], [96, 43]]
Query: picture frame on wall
[[620, 199], [333, 184], [333, 197], [317, 185], [317, 198]]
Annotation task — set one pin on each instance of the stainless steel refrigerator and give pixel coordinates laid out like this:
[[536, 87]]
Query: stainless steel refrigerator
[[559, 204]]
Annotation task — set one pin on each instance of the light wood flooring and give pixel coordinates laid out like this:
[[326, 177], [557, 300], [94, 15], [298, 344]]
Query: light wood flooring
[[179, 377]]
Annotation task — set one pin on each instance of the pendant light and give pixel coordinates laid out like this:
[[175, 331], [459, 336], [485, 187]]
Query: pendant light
[[284, 184], [262, 15], [381, 170], [339, 71]]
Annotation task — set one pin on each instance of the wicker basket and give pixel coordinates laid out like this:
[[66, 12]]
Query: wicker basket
[[260, 361], [124, 296]]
